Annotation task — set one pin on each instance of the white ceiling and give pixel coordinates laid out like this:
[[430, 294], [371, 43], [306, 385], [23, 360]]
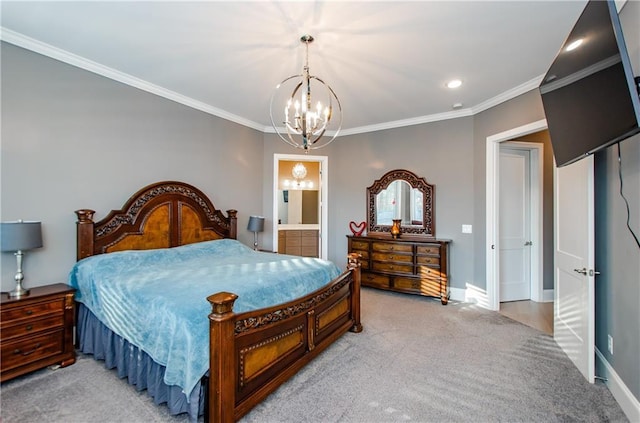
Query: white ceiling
[[388, 61]]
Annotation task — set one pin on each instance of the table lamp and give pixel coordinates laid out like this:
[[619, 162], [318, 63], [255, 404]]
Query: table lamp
[[17, 237], [256, 224]]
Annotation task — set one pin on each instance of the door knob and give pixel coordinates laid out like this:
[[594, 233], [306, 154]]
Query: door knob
[[528, 243], [583, 271]]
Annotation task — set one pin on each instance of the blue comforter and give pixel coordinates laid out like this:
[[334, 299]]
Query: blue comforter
[[156, 299]]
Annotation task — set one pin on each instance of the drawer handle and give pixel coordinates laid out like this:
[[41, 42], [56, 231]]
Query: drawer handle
[[19, 351], [29, 327], [391, 257], [29, 312]]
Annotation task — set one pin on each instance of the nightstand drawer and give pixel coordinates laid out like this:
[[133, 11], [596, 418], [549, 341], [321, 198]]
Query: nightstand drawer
[[21, 352], [36, 330], [32, 311], [33, 326]]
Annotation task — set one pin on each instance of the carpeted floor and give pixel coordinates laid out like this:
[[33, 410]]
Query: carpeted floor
[[416, 360]]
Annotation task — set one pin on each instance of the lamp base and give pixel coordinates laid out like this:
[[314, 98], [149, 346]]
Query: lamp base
[[18, 292]]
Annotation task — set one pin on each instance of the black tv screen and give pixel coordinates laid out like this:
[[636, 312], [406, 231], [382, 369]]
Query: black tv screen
[[589, 94]]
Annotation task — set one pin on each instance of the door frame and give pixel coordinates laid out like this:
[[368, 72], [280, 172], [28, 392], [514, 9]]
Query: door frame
[[492, 212], [324, 197]]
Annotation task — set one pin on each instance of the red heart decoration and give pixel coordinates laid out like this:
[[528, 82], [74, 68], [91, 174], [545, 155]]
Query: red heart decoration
[[357, 228]]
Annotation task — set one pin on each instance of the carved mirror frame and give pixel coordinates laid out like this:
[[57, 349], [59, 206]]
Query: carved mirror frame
[[428, 227]]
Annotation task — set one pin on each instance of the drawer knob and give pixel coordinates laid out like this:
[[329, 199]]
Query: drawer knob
[[19, 351], [29, 327], [29, 312]]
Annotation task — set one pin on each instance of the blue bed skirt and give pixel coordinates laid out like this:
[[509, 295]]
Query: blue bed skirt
[[140, 370]]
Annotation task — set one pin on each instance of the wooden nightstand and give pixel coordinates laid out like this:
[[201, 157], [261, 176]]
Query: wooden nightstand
[[37, 330]]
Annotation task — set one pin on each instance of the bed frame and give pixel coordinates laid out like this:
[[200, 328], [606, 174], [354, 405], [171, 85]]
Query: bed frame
[[252, 353]]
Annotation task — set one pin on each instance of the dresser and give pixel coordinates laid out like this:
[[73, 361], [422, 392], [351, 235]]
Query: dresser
[[410, 265], [298, 242], [36, 330]]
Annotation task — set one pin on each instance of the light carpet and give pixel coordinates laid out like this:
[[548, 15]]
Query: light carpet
[[415, 361]]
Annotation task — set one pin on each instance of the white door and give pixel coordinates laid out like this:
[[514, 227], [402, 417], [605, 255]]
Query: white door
[[515, 224], [574, 323]]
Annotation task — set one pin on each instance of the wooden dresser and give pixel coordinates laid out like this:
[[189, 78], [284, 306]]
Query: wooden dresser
[[37, 330], [411, 265]]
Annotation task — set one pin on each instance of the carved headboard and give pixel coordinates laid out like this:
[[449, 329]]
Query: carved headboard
[[161, 215]]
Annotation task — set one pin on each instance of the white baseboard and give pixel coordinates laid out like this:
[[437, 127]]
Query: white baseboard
[[470, 294], [629, 404], [547, 296]]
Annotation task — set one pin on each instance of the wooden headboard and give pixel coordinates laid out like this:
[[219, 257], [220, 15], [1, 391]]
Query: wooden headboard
[[161, 215]]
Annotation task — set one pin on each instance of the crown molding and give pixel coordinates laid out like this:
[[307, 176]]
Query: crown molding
[[28, 43], [508, 95]]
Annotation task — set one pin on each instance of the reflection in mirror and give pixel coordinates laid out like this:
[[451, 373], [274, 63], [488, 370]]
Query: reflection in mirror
[[298, 207], [401, 194], [399, 201]]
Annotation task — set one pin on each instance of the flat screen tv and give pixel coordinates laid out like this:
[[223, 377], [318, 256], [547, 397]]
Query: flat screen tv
[[590, 96]]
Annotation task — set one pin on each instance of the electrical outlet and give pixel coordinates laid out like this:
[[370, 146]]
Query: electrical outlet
[[466, 229], [610, 344]]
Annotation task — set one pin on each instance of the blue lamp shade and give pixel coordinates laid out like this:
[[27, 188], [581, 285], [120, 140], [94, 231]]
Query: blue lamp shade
[[20, 236], [256, 224]]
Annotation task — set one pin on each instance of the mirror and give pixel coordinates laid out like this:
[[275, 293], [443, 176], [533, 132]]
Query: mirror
[[401, 194], [298, 207]]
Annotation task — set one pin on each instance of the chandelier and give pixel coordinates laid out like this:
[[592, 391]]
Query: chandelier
[[299, 172], [306, 120]]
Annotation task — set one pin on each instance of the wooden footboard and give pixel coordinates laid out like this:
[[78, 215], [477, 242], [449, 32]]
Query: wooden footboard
[[253, 353]]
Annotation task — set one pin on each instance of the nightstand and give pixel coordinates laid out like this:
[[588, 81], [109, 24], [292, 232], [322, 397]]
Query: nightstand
[[36, 330]]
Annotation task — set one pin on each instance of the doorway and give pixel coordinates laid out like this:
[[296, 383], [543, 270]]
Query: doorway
[[535, 307], [494, 267], [308, 186]]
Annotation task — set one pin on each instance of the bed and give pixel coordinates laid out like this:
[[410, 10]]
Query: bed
[[170, 298]]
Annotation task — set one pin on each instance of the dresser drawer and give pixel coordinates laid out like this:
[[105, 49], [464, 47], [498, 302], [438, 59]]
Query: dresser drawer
[[378, 281], [429, 249], [32, 326], [31, 311], [385, 246], [428, 261], [309, 251], [364, 255], [417, 285], [404, 258], [393, 267], [359, 245], [308, 241], [294, 242], [21, 352]]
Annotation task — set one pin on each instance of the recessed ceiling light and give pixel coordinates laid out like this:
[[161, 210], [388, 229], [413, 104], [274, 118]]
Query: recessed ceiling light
[[454, 83], [574, 45]]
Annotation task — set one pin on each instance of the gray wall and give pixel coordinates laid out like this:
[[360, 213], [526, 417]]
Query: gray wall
[[617, 254], [72, 139]]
